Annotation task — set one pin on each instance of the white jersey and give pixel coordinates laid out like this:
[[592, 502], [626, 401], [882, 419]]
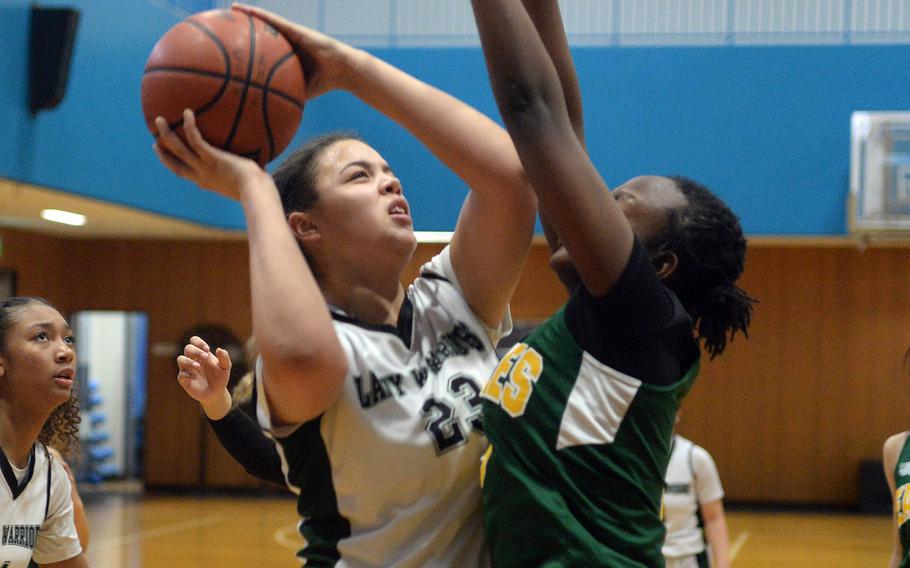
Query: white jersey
[[36, 514], [389, 475], [692, 479]]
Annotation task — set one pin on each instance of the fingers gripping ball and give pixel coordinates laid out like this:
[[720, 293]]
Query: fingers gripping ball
[[239, 76]]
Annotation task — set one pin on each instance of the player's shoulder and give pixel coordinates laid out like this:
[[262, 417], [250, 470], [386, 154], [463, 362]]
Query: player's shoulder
[[438, 269], [701, 458], [680, 442], [437, 290], [893, 446]]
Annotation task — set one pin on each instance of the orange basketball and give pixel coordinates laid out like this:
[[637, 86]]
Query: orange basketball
[[237, 73]]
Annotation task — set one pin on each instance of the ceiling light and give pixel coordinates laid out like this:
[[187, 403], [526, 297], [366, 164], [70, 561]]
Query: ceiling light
[[65, 217]]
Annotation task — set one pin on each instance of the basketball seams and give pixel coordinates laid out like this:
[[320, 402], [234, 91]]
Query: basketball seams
[[251, 62], [220, 94], [253, 84], [265, 103], [228, 71]]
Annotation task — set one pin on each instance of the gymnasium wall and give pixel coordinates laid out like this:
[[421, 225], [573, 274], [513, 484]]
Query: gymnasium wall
[[753, 98], [753, 101], [17, 129], [787, 414]]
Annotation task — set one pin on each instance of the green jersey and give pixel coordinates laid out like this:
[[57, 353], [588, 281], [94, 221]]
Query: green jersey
[[902, 501], [579, 448]]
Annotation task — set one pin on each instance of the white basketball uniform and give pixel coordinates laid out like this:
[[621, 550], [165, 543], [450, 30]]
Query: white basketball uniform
[[36, 513], [692, 479], [388, 476]]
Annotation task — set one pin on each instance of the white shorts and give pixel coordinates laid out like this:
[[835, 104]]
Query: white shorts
[[693, 561]]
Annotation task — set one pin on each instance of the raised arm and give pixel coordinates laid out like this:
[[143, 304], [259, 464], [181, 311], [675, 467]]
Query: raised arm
[[548, 20], [204, 376], [533, 106], [468, 142], [303, 360], [245, 441]]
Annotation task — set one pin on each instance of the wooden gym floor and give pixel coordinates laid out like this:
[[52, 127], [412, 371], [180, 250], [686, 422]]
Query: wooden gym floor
[[136, 531]]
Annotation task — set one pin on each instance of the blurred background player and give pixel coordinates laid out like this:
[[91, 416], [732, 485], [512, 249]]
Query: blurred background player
[[37, 409], [694, 510], [896, 462]]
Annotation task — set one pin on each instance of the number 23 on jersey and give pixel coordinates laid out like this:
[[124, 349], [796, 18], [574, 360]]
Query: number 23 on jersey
[[513, 380]]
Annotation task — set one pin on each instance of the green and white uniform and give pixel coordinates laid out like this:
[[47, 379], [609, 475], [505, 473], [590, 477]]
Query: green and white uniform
[[388, 475], [580, 418], [902, 501]]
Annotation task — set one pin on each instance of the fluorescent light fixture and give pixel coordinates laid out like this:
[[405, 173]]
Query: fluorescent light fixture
[[65, 217]]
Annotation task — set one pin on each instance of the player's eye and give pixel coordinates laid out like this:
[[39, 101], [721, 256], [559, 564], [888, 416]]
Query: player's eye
[[41, 336]]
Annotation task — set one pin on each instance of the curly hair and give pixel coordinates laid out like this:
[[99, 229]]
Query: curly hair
[[61, 429]]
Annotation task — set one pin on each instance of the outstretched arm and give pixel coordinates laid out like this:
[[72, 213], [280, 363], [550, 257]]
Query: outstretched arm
[[303, 361], [204, 376], [248, 445], [532, 103], [548, 20], [468, 142]]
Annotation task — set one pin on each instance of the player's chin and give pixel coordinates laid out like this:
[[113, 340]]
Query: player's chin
[[402, 239], [59, 395]]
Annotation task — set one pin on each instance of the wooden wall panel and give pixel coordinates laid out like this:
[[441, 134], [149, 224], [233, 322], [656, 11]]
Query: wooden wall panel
[[788, 414], [179, 284]]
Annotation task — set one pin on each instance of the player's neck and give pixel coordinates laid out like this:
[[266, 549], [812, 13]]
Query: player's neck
[[371, 294], [18, 433], [368, 305]]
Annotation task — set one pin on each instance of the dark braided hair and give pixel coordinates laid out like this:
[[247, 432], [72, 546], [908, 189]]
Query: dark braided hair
[[61, 429], [708, 242]]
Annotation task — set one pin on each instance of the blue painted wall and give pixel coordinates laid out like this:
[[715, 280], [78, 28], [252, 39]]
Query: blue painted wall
[[16, 128], [766, 127]]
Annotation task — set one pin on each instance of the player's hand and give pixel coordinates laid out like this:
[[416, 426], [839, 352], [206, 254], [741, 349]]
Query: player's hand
[[198, 161], [204, 376], [326, 61]]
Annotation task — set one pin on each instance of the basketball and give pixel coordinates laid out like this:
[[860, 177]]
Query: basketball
[[236, 73]]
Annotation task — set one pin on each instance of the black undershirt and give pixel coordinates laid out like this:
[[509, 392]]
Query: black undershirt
[[638, 328], [242, 437]]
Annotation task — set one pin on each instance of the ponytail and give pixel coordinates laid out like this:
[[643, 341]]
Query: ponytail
[[726, 310]]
